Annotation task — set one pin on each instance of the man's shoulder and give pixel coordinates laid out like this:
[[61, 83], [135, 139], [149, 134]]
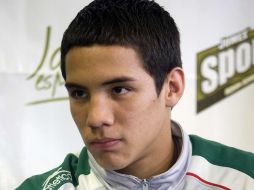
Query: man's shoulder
[[66, 173], [222, 155]]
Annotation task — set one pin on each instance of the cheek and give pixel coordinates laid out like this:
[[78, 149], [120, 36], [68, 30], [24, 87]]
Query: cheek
[[136, 116], [145, 118], [78, 115], [140, 109]]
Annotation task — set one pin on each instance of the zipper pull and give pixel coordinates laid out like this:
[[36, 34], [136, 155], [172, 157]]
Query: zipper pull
[[144, 184]]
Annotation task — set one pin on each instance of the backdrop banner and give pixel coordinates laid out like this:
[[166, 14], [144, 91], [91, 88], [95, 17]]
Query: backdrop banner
[[36, 128]]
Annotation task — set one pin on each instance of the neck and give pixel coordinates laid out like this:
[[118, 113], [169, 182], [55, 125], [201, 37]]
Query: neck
[[158, 160]]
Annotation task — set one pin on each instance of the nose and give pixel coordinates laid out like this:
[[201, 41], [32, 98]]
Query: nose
[[99, 113]]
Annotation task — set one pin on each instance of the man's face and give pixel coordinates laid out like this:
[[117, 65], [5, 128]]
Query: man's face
[[115, 106]]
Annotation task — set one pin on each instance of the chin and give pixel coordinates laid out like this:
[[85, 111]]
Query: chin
[[111, 164]]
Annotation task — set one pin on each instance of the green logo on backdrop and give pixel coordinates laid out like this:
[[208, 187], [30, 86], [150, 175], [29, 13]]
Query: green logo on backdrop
[[50, 81], [225, 68]]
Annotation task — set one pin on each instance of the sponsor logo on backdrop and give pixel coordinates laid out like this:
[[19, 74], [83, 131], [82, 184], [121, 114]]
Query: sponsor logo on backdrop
[[47, 77], [225, 68], [56, 179]]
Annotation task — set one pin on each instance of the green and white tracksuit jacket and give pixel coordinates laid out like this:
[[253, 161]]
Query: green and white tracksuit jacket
[[202, 165]]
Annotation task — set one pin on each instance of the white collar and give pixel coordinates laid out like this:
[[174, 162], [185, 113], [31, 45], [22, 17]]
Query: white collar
[[171, 179]]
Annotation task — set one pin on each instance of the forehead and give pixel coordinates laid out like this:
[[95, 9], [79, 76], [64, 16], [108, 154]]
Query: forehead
[[106, 52], [103, 61], [103, 58]]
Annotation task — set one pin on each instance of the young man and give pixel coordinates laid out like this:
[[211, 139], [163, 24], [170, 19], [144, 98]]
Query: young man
[[122, 66]]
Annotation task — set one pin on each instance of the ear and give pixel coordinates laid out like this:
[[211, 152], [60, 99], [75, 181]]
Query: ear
[[174, 86]]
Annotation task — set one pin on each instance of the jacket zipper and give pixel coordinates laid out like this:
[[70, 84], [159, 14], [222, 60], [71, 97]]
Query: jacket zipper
[[144, 184]]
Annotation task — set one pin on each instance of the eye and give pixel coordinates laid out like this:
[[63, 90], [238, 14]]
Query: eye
[[120, 90], [78, 94]]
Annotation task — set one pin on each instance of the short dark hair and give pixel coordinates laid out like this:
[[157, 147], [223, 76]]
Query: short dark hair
[[141, 24]]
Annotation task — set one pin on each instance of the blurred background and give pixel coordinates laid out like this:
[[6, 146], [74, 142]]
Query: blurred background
[[36, 128]]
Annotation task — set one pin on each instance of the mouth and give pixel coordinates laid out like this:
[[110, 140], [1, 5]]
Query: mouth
[[105, 143]]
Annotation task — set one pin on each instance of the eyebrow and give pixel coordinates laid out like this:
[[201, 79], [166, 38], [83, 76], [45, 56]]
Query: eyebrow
[[118, 80], [70, 85]]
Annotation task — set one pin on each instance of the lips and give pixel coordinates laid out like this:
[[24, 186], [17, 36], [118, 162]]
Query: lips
[[104, 143]]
